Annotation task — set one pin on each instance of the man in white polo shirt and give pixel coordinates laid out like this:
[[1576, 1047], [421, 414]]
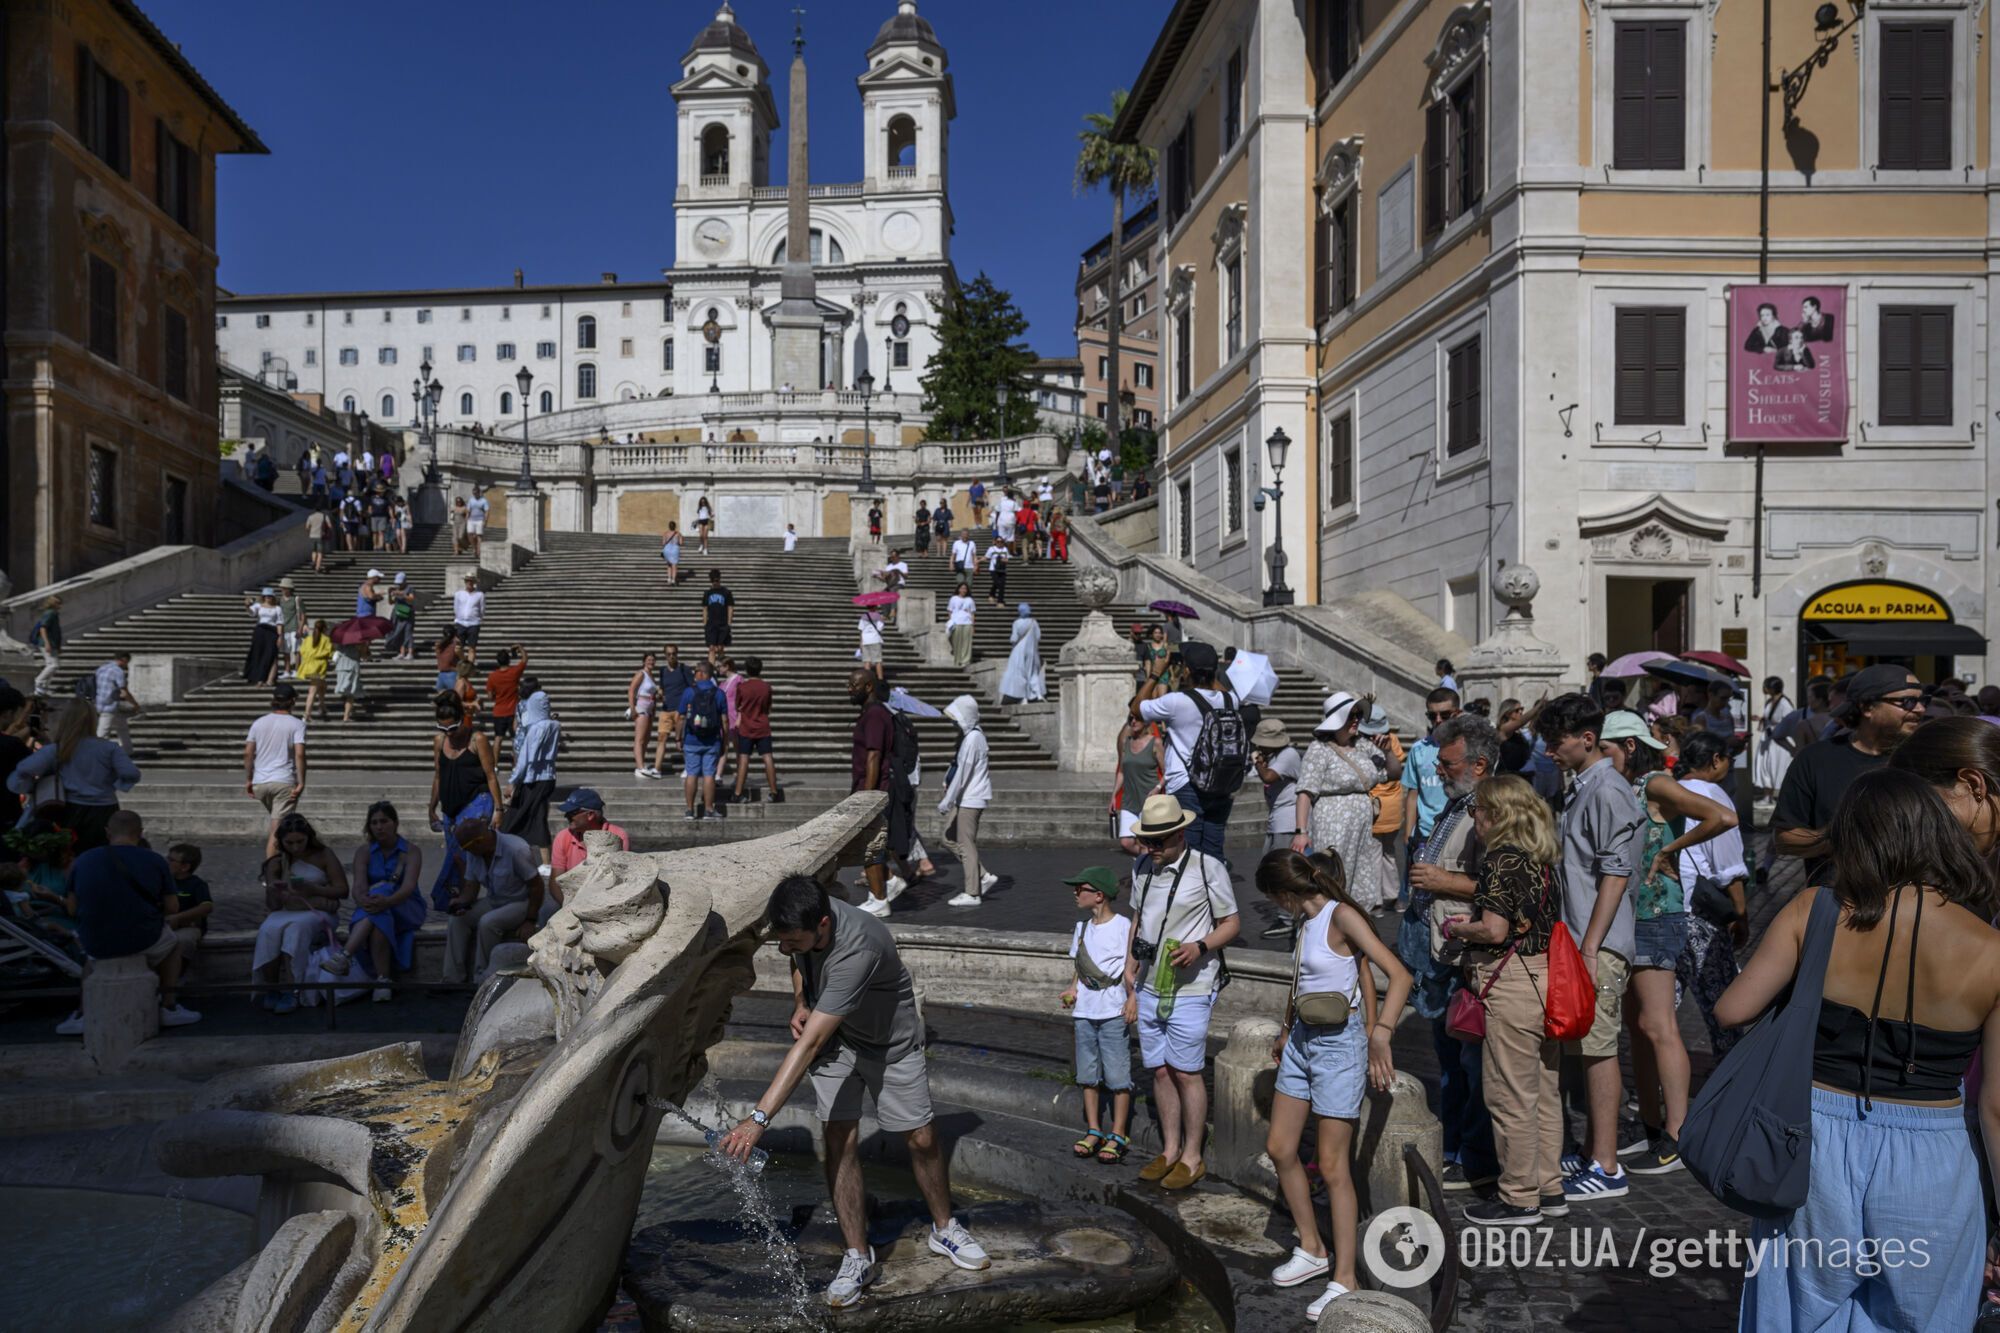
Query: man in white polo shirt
[[274, 756], [468, 608], [476, 511]]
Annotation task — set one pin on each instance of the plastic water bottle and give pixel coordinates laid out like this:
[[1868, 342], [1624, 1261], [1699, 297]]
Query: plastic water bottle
[[1166, 978], [759, 1159]]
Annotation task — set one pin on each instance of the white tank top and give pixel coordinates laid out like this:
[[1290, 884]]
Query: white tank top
[[1320, 968], [648, 687]]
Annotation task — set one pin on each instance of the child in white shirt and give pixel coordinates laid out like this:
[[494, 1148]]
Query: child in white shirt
[[1097, 1000]]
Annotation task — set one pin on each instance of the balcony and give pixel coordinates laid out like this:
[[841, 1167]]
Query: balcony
[[721, 181], [902, 173], [852, 191]]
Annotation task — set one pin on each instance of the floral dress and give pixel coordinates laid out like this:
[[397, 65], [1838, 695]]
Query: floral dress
[[1343, 813]]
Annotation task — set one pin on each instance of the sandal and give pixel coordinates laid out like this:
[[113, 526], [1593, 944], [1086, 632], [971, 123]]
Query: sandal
[[1113, 1151], [1087, 1145]]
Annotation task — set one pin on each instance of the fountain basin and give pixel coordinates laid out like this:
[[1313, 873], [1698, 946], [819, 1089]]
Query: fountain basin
[[1051, 1261]]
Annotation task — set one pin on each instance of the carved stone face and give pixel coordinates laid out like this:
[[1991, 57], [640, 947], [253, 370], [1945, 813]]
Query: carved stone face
[[614, 898], [1517, 586]]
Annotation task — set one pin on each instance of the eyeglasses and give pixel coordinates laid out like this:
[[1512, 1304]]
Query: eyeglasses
[[1909, 703]]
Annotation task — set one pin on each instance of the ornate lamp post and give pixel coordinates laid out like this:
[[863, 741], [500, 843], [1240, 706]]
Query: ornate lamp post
[[711, 333], [1001, 479], [864, 384], [1279, 443], [525, 378]]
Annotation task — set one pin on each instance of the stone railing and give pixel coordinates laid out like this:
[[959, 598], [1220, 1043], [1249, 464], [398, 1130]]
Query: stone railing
[[772, 414], [848, 191]]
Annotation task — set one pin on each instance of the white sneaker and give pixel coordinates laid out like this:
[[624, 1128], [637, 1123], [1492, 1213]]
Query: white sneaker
[[642, 773], [894, 888], [382, 995], [1334, 1291], [71, 1026], [1301, 1267], [963, 900], [987, 880], [956, 1244], [857, 1270], [178, 1017], [872, 905]]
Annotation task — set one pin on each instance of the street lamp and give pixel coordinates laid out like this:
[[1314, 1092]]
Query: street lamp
[[711, 333], [864, 384], [525, 379], [1002, 480], [1278, 594]]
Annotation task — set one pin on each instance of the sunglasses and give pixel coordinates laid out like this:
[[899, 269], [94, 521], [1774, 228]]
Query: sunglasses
[[1909, 703], [1151, 842], [1445, 716]]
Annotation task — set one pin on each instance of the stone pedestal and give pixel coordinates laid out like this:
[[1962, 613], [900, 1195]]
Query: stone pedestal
[[524, 519], [1095, 669], [1372, 1312], [428, 504], [1389, 1120], [858, 541], [916, 617], [1511, 662], [121, 1010], [1244, 1081]]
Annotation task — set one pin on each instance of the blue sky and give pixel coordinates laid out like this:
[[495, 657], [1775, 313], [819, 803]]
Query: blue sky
[[446, 142]]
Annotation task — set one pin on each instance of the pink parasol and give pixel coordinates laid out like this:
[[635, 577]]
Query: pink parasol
[[361, 629], [884, 598]]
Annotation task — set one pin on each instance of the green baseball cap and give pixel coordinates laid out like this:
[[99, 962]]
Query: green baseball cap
[[1095, 877]]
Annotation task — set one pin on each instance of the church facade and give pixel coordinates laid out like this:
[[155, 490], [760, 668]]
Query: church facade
[[703, 352]]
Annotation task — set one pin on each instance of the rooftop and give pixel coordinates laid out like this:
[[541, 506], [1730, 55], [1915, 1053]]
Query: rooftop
[[170, 51], [393, 296]]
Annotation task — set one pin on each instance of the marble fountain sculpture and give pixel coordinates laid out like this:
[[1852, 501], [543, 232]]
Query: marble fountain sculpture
[[501, 1198]]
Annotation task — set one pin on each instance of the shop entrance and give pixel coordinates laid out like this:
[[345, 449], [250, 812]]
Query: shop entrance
[[1853, 625], [1646, 614]]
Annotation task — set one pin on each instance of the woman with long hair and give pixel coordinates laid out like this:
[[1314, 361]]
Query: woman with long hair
[[1912, 992], [642, 700], [1515, 906], [1335, 1044], [303, 888], [260, 664], [315, 660], [1713, 874], [704, 519], [1659, 1057], [670, 551], [1142, 759], [75, 779], [388, 910], [1336, 812], [1772, 760], [464, 785], [961, 611]]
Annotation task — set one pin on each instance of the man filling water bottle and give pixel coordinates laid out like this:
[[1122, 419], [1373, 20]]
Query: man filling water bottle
[[855, 1026]]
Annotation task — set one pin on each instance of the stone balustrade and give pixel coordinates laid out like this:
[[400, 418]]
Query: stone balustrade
[[800, 414]]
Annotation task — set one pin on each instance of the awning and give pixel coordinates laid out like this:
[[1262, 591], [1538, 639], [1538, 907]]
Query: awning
[[1899, 638]]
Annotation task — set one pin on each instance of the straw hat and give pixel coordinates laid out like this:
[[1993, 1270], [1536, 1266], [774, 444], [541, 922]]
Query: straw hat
[[1162, 815], [1271, 735]]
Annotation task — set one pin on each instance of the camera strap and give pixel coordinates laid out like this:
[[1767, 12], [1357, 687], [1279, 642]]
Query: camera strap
[[1172, 890]]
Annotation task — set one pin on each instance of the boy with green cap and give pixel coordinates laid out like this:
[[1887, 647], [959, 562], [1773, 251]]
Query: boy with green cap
[[1097, 998]]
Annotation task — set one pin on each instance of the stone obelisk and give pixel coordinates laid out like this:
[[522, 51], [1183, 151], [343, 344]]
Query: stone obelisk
[[797, 323]]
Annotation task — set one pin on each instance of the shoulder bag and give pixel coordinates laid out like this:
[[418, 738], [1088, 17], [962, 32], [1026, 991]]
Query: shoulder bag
[[1320, 1008], [1748, 1135]]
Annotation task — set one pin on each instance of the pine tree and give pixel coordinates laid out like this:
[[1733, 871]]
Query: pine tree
[[979, 351]]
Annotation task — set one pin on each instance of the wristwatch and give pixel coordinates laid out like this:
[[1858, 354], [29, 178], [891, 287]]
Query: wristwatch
[[758, 1117], [1201, 948]]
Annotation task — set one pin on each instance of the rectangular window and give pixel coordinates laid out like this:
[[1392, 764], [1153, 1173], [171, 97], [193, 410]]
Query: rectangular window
[[347, 316], [1463, 418], [1454, 154], [1183, 352], [1916, 366], [1915, 110], [103, 309], [1179, 190], [467, 352], [176, 177], [1232, 281], [712, 358], [1232, 492], [465, 314], [1138, 306], [1649, 91], [1232, 101], [174, 359], [899, 355], [222, 321], [427, 358], [265, 358], [312, 356], [263, 321], [506, 312], [101, 486], [1333, 40], [504, 352], [423, 316], [1103, 367], [624, 347], [1184, 516], [309, 319], [667, 354], [350, 356], [1335, 257], [546, 311], [1340, 462], [1103, 412], [1141, 417], [1651, 355], [1142, 374], [545, 351], [173, 522], [103, 113], [385, 356]]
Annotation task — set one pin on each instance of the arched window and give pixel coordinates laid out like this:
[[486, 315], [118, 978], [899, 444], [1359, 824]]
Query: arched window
[[902, 147], [347, 404], [715, 155], [819, 244], [586, 380], [506, 404], [586, 331], [388, 407], [465, 404], [548, 401]]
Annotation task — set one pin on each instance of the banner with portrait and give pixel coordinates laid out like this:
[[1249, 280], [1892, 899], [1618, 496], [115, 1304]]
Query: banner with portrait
[[1787, 364]]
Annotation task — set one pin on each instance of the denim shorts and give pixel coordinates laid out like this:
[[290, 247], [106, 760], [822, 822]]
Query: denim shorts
[[702, 757], [1326, 1067], [1659, 940], [1103, 1054], [1180, 1040]]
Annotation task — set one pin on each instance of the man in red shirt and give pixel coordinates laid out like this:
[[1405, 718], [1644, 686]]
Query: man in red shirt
[[874, 738], [585, 812], [753, 729], [503, 690]]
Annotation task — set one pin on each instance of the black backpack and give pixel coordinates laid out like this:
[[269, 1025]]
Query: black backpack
[[705, 714], [1221, 752], [904, 749]]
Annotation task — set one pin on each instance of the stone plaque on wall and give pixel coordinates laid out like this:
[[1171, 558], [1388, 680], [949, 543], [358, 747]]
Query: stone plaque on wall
[[1395, 219], [750, 515]]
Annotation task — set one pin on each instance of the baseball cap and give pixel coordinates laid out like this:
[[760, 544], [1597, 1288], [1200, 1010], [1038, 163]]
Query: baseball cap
[[1873, 682], [1095, 877], [1198, 656], [583, 798], [282, 693], [374, 573], [1625, 725]]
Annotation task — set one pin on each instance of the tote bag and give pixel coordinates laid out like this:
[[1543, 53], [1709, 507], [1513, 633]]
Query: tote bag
[[1748, 1135], [1570, 1007]]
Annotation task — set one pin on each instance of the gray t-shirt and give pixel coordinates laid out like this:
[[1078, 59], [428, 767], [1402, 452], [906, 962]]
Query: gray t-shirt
[[509, 873], [1602, 833], [1283, 796], [860, 978]]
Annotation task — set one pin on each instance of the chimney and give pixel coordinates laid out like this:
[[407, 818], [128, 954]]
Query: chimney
[[520, 280], [607, 278]]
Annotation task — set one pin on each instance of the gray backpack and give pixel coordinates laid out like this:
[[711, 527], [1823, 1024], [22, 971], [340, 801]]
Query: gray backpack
[[1748, 1135]]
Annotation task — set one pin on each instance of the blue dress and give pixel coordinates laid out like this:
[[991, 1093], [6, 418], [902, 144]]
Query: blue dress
[[399, 923]]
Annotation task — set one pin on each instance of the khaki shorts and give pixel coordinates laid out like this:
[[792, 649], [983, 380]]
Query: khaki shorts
[[1613, 973], [902, 1088], [276, 797], [157, 952]]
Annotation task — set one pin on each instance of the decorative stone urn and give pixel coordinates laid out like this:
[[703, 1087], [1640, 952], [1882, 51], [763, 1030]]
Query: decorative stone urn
[[1095, 670], [1511, 662], [1096, 586]]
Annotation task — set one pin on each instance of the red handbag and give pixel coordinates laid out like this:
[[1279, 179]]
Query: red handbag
[[1465, 1016], [1570, 1006]]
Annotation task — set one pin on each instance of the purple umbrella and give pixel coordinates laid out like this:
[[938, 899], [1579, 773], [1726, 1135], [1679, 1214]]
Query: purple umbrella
[[1181, 609]]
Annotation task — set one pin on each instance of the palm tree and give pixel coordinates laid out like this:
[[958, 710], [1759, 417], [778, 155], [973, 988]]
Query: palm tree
[[1124, 168]]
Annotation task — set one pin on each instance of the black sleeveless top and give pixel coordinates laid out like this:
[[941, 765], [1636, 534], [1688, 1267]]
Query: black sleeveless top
[[1863, 1053], [460, 780]]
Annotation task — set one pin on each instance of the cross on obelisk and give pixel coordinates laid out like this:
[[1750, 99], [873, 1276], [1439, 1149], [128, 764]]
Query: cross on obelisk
[[798, 28]]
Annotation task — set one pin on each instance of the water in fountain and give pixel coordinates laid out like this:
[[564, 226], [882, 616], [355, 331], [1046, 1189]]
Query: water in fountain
[[489, 990], [781, 1256]]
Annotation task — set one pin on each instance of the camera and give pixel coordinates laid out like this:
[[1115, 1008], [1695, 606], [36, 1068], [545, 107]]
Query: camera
[[1145, 952]]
